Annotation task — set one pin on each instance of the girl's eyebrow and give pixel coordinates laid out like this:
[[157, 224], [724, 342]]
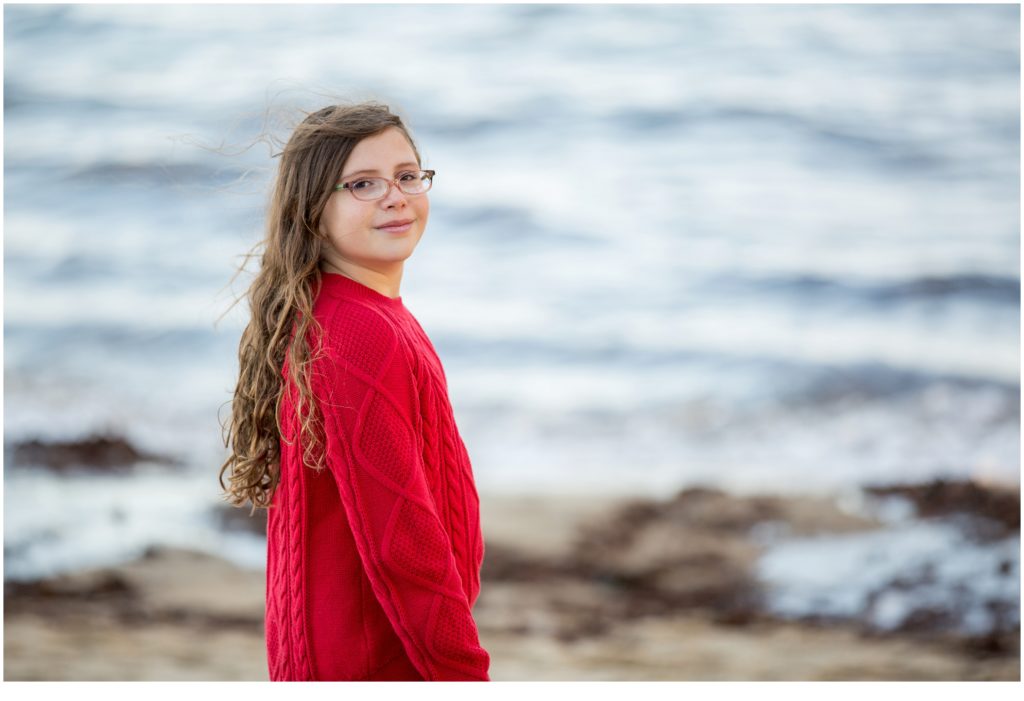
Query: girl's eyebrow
[[374, 170]]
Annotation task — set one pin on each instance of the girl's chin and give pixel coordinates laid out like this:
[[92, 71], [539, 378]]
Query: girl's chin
[[396, 245], [394, 255]]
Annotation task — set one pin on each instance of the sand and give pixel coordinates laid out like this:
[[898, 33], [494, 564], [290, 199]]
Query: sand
[[566, 596]]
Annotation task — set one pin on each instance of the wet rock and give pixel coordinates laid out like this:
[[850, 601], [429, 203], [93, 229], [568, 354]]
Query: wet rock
[[79, 594], [92, 586], [506, 564], [691, 552], [101, 452], [698, 550], [165, 585], [992, 644], [994, 511], [715, 510]]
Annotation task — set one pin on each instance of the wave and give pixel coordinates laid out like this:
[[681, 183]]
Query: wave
[[820, 385], [798, 377], [152, 173], [18, 96], [869, 378], [871, 143], [512, 226], [992, 288], [109, 339]]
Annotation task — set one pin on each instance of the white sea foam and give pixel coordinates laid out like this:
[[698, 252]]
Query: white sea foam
[[883, 577], [101, 519]]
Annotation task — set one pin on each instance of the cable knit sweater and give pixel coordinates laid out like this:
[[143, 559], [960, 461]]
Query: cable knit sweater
[[373, 564]]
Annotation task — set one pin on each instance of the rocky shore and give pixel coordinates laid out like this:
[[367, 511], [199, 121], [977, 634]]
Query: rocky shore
[[574, 588]]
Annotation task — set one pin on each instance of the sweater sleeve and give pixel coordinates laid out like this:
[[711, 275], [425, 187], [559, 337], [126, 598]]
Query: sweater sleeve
[[369, 401]]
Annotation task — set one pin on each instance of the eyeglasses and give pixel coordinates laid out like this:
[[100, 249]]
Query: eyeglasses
[[410, 182]]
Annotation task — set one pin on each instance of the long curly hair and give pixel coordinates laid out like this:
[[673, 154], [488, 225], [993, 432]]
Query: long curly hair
[[281, 300]]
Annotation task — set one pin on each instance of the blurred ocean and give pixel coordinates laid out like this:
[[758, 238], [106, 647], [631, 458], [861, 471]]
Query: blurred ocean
[[763, 248]]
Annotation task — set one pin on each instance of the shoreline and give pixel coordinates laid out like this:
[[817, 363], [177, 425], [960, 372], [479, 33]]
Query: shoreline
[[575, 588]]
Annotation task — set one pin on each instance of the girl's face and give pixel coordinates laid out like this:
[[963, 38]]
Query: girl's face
[[354, 227]]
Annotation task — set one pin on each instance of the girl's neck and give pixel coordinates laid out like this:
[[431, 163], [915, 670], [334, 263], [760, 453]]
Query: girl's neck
[[387, 285]]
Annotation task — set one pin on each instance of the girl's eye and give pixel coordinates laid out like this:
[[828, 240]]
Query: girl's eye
[[360, 184], [406, 177]]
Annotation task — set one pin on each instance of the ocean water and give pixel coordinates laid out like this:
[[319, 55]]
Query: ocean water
[[764, 248], [886, 578]]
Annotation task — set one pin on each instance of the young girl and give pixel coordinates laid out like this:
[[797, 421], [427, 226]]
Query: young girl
[[341, 422]]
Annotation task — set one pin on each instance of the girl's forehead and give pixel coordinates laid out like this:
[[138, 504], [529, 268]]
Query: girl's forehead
[[388, 145]]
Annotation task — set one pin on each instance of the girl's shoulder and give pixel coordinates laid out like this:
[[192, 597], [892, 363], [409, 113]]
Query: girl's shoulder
[[359, 332]]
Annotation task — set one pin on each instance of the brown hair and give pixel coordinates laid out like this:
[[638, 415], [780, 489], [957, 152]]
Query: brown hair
[[281, 299]]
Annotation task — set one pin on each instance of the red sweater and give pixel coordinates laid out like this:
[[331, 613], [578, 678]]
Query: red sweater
[[374, 564]]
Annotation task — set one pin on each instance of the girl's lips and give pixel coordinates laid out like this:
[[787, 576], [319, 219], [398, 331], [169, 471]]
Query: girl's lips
[[396, 229]]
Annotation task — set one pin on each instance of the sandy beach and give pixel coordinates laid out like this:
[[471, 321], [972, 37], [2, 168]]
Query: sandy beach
[[574, 589]]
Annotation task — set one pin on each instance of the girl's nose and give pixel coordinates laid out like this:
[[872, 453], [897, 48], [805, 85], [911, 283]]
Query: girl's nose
[[394, 197]]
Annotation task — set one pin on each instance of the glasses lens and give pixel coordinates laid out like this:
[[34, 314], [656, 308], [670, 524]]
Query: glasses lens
[[369, 188], [415, 183]]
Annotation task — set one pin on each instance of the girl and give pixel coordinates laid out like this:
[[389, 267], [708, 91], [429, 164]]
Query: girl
[[342, 426]]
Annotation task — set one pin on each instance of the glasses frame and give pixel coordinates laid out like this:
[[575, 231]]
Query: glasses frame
[[393, 182]]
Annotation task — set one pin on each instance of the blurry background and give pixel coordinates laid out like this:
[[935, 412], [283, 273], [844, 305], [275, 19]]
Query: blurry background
[[762, 249]]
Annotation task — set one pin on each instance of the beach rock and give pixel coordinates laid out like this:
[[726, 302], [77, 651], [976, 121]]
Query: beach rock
[[930, 621], [994, 511], [100, 452], [165, 585], [507, 564], [689, 552], [94, 585], [99, 591], [718, 511], [171, 615], [698, 550]]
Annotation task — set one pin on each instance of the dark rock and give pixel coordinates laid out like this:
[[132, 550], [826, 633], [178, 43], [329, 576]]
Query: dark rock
[[107, 452], [94, 586], [692, 552], [716, 510], [502, 563], [994, 511], [992, 644]]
